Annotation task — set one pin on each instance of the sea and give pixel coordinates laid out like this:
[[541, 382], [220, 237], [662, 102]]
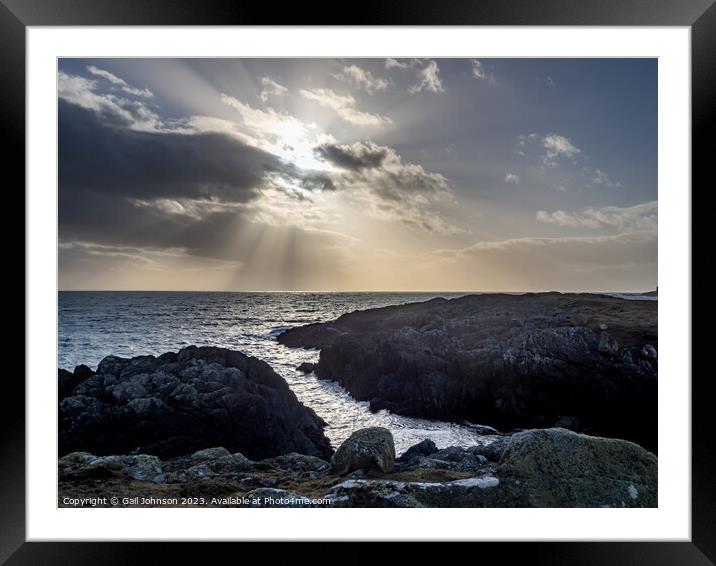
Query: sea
[[95, 324]]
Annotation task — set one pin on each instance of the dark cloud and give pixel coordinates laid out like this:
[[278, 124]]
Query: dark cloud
[[353, 156], [159, 189], [98, 155]]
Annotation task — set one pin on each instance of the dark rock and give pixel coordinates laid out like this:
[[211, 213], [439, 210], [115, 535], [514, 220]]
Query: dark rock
[[366, 449], [451, 458], [461, 458], [298, 462], [493, 450], [67, 381], [82, 372], [182, 402], [423, 448], [306, 367], [648, 352], [510, 361]]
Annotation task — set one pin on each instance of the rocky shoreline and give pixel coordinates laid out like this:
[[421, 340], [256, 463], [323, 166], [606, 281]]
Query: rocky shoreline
[[213, 427], [581, 361], [535, 468]]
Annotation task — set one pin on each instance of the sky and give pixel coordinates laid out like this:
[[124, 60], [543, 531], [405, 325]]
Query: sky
[[357, 174]]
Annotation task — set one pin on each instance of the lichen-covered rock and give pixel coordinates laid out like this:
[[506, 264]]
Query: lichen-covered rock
[[179, 403], [141, 467], [560, 468], [366, 449]]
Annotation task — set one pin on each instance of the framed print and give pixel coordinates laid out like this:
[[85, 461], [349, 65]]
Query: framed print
[[400, 278]]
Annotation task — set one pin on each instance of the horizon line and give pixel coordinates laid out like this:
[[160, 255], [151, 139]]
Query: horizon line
[[337, 292]]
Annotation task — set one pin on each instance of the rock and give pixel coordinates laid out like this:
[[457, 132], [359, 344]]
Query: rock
[[568, 422], [199, 472], [73, 461], [648, 352], [306, 367], [67, 381], [366, 449], [483, 429], [82, 372], [210, 454], [455, 458], [272, 497], [141, 467], [298, 462], [466, 359], [493, 450], [423, 448], [560, 468], [470, 492], [179, 403], [240, 461]]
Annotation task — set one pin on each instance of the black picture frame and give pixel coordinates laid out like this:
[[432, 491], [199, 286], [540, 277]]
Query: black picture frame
[[17, 15]]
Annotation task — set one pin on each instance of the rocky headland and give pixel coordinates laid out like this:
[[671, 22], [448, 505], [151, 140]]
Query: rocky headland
[[580, 361]]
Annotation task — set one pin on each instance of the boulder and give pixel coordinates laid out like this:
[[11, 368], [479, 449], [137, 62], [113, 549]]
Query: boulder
[[306, 367], [423, 448], [369, 449], [180, 403], [561, 468]]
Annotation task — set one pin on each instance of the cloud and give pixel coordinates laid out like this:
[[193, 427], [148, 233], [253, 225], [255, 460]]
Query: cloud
[[428, 79], [428, 73], [478, 71], [345, 107], [355, 157], [512, 178], [117, 110], [543, 264], [361, 78], [115, 80], [183, 189], [599, 177], [268, 128], [391, 63], [559, 146], [555, 146], [638, 218], [271, 88], [393, 189]]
